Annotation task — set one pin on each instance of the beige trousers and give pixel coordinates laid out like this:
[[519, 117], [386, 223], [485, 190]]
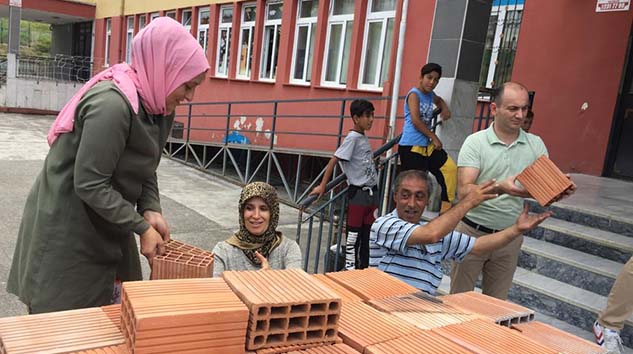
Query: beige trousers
[[497, 266], [620, 302]]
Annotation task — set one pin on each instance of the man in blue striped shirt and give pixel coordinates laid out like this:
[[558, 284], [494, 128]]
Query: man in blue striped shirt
[[411, 250]]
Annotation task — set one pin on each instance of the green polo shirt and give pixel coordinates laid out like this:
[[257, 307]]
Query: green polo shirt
[[494, 159]]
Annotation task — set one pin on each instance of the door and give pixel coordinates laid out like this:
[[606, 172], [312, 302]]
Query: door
[[620, 156]]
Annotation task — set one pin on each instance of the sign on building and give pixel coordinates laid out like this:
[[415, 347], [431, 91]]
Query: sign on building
[[612, 5], [16, 3]]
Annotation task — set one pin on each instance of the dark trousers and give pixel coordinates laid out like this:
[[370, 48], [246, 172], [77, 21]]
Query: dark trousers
[[414, 161]]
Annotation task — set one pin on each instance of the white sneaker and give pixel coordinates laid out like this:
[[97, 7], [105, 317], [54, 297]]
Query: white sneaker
[[607, 338]]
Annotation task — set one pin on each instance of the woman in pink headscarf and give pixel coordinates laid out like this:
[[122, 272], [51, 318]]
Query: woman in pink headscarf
[[98, 186]]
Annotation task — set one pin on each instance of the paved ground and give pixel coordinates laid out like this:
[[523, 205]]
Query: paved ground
[[201, 209]]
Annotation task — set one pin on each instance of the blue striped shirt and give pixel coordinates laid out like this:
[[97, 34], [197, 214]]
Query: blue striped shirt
[[417, 265]]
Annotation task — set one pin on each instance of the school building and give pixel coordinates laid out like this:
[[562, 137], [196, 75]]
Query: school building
[[573, 54]]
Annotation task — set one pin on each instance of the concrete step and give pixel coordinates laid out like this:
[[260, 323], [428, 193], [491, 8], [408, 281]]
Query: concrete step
[[606, 219], [597, 242], [572, 305], [576, 268]]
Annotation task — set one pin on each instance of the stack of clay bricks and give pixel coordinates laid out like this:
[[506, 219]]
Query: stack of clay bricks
[[544, 181], [371, 283], [59, 332], [183, 315], [420, 342], [361, 326], [327, 349], [117, 349], [482, 336], [286, 307], [296, 347], [423, 311], [182, 261], [114, 313], [556, 339], [340, 290], [502, 312]]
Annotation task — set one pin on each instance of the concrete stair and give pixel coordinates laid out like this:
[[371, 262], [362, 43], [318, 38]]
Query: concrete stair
[[568, 265]]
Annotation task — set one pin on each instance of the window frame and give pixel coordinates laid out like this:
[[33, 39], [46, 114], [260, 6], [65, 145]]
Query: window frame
[[501, 11], [108, 39], [308, 22], [203, 27], [142, 21], [182, 19], [171, 12], [343, 20], [250, 25], [228, 27], [128, 38], [153, 16], [276, 23], [375, 17]]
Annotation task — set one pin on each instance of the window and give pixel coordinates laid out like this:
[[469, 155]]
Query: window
[[339, 38], [203, 27], [501, 42], [153, 16], [224, 40], [128, 39], [247, 29], [377, 43], [307, 12], [186, 19], [171, 14], [142, 21], [107, 41], [270, 41]]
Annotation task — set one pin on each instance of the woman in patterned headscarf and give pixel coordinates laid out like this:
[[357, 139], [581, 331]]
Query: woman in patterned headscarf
[[257, 245]]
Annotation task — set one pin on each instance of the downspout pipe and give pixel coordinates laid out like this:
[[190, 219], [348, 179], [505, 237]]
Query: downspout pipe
[[394, 98]]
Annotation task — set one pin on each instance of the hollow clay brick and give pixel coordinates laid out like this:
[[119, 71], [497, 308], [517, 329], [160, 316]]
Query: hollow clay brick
[[425, 342], [371, 283], [327, 349], [58, 332], [499, 311], [117, 349], [182, 261], [486, 337], [337, 288], [286, 307], [544, 180], [296, 347], [425, 313], [197, 315], [556, 339], [361, 325], [114, 313]]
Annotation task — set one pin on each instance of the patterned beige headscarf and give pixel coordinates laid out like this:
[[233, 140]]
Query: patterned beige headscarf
[[265, 243]]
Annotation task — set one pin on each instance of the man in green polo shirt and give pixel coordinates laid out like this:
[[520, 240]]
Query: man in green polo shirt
[[500, 152]]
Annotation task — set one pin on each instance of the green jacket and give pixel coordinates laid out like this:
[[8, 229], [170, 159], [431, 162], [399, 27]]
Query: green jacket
[[78, 225]]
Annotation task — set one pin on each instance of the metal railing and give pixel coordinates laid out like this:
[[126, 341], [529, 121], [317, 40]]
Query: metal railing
[[331, 213], [280, 146], [57, 68]]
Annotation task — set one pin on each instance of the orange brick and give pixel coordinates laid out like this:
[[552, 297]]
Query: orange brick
[[420, 342], [544, 180], [371, 283], [556, 339], [499, 311]]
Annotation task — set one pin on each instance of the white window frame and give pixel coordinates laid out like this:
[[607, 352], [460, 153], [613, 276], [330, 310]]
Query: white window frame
[[203, 28], [372, 17], [308, 22], [128, 39], [335, 20], [153, 16], [182, 20], [250, 25], [108, 37], [171, 14], [276, 25], [228, 27], [501, 12], [142, 21]]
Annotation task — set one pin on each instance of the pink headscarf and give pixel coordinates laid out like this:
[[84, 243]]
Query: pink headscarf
[[164, 56]]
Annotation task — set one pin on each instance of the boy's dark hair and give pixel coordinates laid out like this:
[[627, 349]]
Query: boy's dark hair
[[360, 107], [430, 67]]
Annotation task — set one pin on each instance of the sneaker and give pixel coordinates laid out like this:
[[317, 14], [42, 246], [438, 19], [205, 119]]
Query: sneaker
[[607, 338]]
